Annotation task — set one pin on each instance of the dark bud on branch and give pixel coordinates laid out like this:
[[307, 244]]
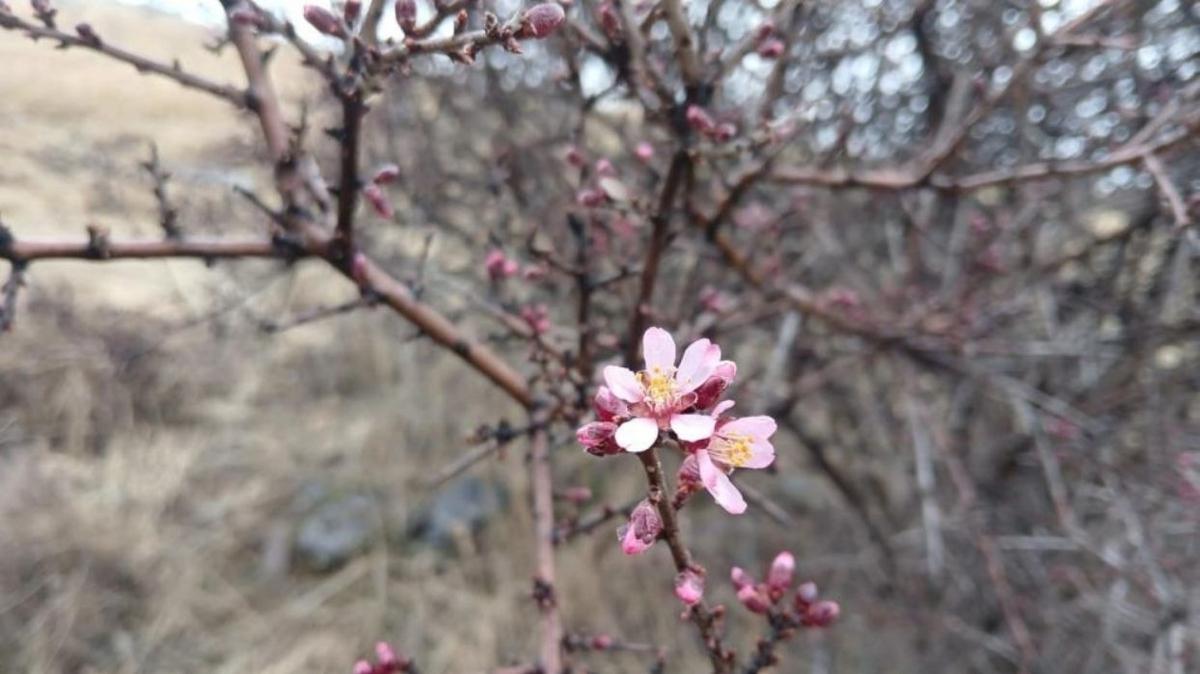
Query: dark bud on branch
[[87, 34], [351, 11], [324, 21], [541, 20], [406, 14]]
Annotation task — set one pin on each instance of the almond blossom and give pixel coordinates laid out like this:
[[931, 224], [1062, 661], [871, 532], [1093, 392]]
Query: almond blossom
[[658, 395], [736, 443]]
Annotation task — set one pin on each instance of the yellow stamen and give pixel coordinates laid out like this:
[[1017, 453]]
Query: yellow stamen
[[658, 384], [733, 450]]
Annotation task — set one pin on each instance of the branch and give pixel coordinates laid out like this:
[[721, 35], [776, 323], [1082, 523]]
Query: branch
[[99, 248], [543, 516], [237, 97]]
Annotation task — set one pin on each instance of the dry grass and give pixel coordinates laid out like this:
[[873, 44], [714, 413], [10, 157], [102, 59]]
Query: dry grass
[[152, 440]]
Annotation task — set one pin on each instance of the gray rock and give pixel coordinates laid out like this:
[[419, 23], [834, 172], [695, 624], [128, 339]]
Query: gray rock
[[462, 507], [334, 531]]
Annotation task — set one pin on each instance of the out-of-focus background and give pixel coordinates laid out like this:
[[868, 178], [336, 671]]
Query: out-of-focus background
[[183, 489]]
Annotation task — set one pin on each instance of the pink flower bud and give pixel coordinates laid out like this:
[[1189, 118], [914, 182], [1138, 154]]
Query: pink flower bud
[[379, 201], [605, 168], [688, 477], [779, 577], [765, 30], [351, 10], [753, 598], [689, 587], [574, 156], [363, 667], [740, 578], [536, 316], [610, 21], [712, 299], [534, 272], [699, 119], [602, 642], [723, 133], [385, 654], [245, 15], [324, 21], [598, 438], [590, 198], [406, 14], [771, 49], [806, 594], [643, 529], [541, 20], [644, 151], [358, 270], [387, 174], [608, 406], [498, 265], [711, 390], [578, 494], [822, 614]]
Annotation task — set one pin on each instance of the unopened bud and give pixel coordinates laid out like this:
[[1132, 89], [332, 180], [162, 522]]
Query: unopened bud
[[537, 317], [689, 587], [771, 49], [779, 577], [534, 272], [324, 21], [379, 201], [363, 667], [498, 266], [245, 15], [806, 594], [645, 524], [406, 14], [765, 30], [753, 599], [605, 168], [602, 642], [598, 438], [723, 133], [387, 174], [699, 119], [541, 20], [608, 406], [823, 614], [86, 33], [610, 21], [574, 156], [578, 494], [590, 198], [739, 577], [710, 391], [644, 152], [351, 11]]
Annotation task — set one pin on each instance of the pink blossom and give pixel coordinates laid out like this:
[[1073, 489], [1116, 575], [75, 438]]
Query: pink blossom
[[324, 21], [643, 529], [659, 394], [541, 20], [363, 667], [689, 587], [644, 151], [740, 443], [598, 438]]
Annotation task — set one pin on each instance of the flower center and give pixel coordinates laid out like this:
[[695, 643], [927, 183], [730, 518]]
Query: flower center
[[659, 384], [732, 450]]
